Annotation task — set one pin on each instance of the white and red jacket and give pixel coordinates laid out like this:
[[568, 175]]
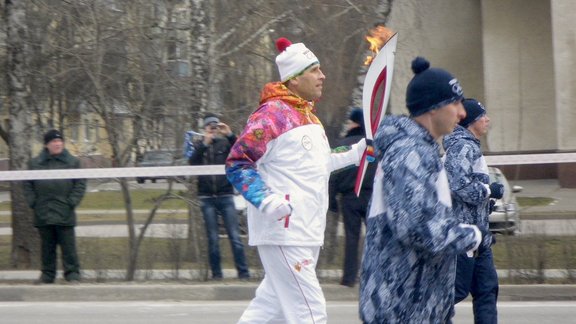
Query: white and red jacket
[[284, 151]]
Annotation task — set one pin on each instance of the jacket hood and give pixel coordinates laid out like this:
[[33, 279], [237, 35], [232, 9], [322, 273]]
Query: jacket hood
[[394, 128], [458, 135]]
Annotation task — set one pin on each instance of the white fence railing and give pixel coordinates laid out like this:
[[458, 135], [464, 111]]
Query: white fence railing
[[174, 171]]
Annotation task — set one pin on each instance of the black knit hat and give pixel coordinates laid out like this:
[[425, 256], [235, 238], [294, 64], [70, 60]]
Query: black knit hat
[[357, 116], [474, 111], [52, 135], [430, 88]]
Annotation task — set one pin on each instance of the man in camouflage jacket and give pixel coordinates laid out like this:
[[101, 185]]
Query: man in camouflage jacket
[[412, 237]]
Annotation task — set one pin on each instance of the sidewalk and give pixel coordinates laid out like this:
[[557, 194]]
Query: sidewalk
[[226, 291], [157, 285], [563, 207]]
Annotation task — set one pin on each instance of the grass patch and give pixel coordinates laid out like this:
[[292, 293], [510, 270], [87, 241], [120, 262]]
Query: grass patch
[[533, 252], [510, 252], [107, 200], [156, 253], [141, 199], [534, 201]]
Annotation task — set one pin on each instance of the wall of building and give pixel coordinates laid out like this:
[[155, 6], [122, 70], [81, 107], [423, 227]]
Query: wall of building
[[448, 33], [564, 45], [516, 56], [519, 75]]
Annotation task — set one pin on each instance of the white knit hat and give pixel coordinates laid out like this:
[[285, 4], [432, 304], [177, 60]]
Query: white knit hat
[[293, 58]]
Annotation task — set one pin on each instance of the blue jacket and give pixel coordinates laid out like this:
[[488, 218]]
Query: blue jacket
[[468, 177], [412, 237]]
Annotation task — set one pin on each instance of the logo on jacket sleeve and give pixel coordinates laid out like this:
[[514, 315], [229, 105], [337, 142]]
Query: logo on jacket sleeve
[[259, 133]]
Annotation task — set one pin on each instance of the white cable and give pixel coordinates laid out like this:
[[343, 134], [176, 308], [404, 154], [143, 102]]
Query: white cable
[[174, 171], [518, 159], [169, 171]]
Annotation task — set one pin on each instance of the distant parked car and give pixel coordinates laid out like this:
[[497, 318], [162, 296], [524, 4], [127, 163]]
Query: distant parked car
[[155, 159], [505, 218]]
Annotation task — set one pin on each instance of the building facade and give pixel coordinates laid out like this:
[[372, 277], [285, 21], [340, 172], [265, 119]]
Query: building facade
[[515, 56]]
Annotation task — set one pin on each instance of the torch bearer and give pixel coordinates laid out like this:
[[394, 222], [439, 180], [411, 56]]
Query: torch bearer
[[376, 92]]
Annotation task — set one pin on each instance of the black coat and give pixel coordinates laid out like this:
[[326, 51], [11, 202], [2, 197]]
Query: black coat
[[54, 200], [215, 153], [342, 181]]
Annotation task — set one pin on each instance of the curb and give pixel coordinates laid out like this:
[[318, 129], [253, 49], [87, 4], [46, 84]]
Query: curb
[[229, 292], [545, 215]]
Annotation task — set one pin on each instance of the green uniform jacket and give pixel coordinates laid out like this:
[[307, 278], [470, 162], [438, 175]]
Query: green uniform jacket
[[54, 200]]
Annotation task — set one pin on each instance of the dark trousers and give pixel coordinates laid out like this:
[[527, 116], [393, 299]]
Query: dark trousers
[[354, 214], [64, 236], [211, 208], [478, 277]]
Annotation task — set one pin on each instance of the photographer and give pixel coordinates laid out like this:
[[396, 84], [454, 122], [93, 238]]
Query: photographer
[[217, 196]]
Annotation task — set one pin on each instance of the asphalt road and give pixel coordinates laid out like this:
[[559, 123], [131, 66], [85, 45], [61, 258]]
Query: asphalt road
[[229, 312]]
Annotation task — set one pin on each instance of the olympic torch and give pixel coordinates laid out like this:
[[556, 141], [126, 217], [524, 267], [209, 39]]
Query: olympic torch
[[376, 93]]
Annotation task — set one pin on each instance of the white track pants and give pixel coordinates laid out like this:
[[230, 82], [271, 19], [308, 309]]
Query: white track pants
[[290, 292]]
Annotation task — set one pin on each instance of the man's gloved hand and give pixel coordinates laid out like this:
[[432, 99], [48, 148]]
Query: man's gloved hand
[[477, 238], [370, 151], [360, 148], [364, 145], [492, 206], [275, 206], [496, 190]]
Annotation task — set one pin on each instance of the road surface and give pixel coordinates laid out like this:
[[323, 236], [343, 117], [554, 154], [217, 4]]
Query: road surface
[[228, 312]]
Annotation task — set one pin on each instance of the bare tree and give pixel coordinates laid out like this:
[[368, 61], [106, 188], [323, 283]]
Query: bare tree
[[112, 58], [150, 69], [25, 239]]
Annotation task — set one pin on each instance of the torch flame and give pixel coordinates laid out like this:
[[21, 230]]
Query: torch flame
[[377, 37]]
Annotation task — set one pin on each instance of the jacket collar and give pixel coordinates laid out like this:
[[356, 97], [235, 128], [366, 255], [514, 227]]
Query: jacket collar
[[45, 156]]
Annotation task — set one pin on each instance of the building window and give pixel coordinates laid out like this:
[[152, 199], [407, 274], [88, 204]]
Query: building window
[[87, 130], [74, 132], [96, 126]]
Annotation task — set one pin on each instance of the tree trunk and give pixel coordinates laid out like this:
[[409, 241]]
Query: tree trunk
[[132, 244], [331, 242], [25, 238], [193, 241], [200, 58]]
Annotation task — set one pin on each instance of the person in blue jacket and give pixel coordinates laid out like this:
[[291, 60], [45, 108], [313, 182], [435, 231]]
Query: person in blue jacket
[[216, 195], [412, 237], [471, 192]]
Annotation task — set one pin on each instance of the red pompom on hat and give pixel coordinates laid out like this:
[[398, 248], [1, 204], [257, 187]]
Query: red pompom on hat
[[282, 43], [293, 58]]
